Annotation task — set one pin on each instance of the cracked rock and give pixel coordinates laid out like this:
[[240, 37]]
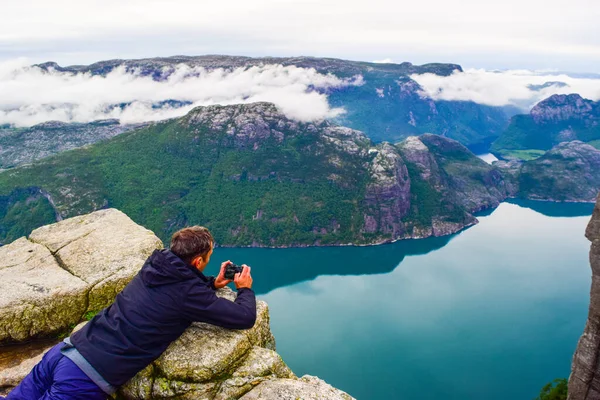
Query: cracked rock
[[105, 249], [38, 296], [66, 269]]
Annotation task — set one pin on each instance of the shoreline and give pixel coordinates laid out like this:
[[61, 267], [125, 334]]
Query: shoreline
[[391, 241]]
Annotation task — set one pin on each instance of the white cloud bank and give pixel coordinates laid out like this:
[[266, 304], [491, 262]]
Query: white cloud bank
[[384, 61], [517, 87], [29, 95]]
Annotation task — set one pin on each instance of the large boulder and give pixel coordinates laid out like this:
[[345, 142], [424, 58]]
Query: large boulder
[[584, 382], [50, 280], [38, 296]]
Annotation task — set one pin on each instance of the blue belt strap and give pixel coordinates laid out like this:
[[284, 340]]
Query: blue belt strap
[[74, 355]]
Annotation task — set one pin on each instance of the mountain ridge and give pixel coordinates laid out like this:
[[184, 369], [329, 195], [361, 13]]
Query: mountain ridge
[[559, 118], [388, 105], [258, 178]]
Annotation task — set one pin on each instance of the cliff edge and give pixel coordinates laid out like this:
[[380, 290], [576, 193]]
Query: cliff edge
[[64, 272], [584, 382]]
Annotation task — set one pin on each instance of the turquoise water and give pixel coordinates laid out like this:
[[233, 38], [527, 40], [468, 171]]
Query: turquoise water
[[493, 312]]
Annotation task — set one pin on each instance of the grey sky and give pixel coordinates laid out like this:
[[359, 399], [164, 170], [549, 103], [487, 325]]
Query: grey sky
[[536, 34]]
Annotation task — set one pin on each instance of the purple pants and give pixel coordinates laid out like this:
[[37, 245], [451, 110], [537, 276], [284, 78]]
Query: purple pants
[[56, 378]]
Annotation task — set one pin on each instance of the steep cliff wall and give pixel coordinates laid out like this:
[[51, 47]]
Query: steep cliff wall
[[584, 382]]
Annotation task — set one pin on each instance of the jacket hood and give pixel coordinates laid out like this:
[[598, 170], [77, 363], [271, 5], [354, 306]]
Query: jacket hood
[[163, 268]]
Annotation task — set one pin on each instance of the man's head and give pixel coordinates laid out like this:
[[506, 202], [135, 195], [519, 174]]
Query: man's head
[[194, 245]]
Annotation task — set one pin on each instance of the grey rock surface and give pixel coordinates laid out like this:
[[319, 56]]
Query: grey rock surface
[[38, 296], [388, 196], [306, 388], [105, 249], [562, 107], [20, 146], [584, 382], [64, 270]]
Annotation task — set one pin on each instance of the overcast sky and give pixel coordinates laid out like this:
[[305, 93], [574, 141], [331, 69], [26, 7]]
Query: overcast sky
[[533, 34]]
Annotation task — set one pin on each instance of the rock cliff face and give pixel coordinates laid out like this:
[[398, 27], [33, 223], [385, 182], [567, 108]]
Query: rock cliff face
[[584, 382], [562, 107], [20, 146], [62, 271]]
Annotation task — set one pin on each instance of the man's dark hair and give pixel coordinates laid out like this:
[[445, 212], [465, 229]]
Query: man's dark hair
[[191, 242]]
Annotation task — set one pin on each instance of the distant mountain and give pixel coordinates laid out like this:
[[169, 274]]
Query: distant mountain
[[559, 118], [568, 172], [24, 145], [257, 178], [387, 107]]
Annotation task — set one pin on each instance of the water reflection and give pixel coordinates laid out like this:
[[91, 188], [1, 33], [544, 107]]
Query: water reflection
[[494, 313], [274, 268], [553, 209]]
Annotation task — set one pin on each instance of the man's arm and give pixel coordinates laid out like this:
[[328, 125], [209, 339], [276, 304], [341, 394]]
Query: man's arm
[[202, 304], [211, 282]]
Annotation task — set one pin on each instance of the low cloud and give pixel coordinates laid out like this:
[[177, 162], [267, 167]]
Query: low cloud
[[384, 61], [30, 95], [519, 88]]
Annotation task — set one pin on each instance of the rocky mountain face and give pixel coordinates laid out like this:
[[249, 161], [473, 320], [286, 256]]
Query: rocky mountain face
[[584, 382], [20, 146], [560, 118], [387, 106], [64, 272], [257, 178], [568, 172]]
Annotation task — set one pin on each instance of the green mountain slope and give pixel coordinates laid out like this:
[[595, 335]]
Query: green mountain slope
[[256, 178], [568, 172], [560, 118]]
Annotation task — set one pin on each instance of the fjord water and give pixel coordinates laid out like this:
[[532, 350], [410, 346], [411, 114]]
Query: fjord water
[[493, 312]]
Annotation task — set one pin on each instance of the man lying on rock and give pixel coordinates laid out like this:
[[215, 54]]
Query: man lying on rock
[[155, 308]]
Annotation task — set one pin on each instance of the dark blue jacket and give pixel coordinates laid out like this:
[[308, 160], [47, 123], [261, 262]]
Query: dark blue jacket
[[153, 310]]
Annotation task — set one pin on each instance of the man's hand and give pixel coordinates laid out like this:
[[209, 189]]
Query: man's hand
[[220, 281], [243, 279]]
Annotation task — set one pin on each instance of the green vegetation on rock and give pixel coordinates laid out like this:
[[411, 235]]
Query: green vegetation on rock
[[560, 118], [568, 172], [555, 390], [23, 210], [525, 155], [256, 178]]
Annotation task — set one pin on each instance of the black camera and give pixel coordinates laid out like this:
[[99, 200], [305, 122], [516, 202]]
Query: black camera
[[231, 270]]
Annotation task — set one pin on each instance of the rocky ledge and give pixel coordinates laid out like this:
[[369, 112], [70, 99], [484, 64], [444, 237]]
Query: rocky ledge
[[584, 382], [52, 279]]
